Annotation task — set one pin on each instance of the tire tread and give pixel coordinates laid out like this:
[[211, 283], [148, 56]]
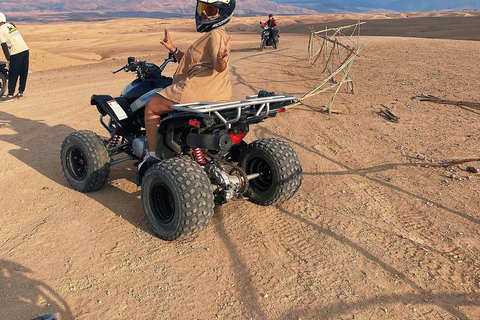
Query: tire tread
[[100, 161]]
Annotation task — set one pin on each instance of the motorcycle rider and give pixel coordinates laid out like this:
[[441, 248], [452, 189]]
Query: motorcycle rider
[[202, 74], [272, 24], [17, 54]]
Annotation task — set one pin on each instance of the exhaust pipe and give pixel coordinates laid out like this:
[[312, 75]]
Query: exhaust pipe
[[210, 141]]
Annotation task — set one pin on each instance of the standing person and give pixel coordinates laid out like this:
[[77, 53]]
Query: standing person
[[202, 74], [17, 55], [272, 24]]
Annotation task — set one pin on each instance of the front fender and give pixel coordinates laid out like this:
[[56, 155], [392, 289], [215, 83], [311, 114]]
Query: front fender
[[107, 105]]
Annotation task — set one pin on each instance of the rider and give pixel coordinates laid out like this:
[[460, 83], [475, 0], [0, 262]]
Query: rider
[[202, 74], [272, 24]]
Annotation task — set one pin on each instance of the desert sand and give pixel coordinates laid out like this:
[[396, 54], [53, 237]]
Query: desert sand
[[375, 231]]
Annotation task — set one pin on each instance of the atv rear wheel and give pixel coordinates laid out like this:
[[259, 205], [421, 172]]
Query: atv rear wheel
[[177, 198], [279, 168], [85, 161], [3, 84]]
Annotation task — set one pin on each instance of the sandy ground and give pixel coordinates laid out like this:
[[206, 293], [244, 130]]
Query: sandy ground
[[370, 235]]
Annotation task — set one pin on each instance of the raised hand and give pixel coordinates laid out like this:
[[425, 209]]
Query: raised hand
[[223, 52], [167, 42]]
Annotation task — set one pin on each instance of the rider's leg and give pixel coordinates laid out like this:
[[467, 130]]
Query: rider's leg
[[156, 107]]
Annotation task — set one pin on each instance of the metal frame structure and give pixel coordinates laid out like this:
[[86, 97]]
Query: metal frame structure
[[263, 105]]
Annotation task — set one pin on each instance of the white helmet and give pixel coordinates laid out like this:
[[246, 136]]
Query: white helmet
[[2, 18]]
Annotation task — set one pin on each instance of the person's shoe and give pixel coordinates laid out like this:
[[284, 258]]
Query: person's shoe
[[8, 99], [149, 157], [19, 96]]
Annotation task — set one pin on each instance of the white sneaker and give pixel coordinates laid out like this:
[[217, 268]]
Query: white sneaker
[[149, 157]]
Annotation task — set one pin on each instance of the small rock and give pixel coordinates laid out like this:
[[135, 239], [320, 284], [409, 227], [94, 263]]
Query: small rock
[[473, 170], [265, 296], [421, 156]]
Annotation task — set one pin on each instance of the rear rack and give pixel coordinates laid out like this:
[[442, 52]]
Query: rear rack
[[263, 105]]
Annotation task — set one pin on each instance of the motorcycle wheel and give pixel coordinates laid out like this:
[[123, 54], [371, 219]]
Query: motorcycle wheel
[[262, 44], [279, 168], [3, 84], [85, 161], [177, 198]]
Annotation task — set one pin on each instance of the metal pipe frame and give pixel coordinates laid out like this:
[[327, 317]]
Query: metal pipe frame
[[215, 108]]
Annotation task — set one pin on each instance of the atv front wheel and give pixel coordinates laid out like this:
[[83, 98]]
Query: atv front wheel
[[279, 168], [177, 198], [85, 161], [3, 84]]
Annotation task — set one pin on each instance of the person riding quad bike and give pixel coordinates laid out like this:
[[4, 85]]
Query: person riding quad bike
[[272, 24]]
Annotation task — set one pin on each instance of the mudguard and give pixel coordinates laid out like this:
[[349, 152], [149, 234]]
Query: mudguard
[[3, 68], [116, 108]]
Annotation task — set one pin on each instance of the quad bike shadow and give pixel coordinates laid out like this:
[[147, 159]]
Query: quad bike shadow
[[38, 147]]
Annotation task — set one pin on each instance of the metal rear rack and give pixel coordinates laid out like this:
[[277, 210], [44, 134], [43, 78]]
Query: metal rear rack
[[263, 104]]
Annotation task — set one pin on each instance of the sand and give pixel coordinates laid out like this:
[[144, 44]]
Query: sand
[[370, 235]]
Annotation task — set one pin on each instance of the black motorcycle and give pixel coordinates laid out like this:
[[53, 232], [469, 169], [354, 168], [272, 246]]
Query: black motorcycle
[[268, 38], [203, 160], [3, 77]]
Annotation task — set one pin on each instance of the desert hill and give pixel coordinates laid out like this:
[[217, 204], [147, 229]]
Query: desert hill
[[245, 7], [377, 230]]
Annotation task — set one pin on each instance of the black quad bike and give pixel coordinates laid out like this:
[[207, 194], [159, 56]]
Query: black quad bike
[[268, 38], [203, 159], [3, 77]]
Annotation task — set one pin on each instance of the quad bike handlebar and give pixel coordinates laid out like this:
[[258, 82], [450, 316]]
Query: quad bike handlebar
[[145, 69]]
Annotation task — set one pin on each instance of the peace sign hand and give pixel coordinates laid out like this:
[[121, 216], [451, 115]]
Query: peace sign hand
[[223, 52], [167, 42]]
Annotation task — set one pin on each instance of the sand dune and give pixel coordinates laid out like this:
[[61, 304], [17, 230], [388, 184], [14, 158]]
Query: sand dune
[[375, 231]]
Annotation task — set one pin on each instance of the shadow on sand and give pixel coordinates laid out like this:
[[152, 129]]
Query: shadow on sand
[[39, 147], [24, 298]]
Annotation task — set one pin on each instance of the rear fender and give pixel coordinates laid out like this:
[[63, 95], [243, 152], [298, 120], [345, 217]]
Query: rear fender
[[107, 105]]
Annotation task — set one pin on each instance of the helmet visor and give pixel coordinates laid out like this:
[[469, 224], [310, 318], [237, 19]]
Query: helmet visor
[[206, 11]]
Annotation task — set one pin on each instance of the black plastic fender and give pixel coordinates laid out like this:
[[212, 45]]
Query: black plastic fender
[[114, 107]]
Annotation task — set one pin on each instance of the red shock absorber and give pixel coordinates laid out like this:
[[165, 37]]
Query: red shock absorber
[[115, 139], [199, 155]]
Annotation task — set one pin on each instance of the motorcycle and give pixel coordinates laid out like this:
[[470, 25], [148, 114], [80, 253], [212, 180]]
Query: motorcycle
[[267, 38], [3, 77], [203, 159]]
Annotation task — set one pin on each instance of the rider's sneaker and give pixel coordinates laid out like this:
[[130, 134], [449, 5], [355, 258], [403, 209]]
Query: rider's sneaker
[[149, 157], [8, 99], [19, 96]]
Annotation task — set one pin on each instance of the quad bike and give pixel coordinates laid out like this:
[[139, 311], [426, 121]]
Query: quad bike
[[268, 38], [203, 160], [3, 77]]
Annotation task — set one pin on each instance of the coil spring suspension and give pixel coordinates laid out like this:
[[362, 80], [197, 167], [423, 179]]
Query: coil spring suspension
[[115, 139], [199, 156]]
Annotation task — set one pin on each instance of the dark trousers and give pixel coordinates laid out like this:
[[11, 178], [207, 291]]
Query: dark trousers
[[18, 68]]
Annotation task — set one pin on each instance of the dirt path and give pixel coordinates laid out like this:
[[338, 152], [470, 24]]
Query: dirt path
[[370, 235]]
